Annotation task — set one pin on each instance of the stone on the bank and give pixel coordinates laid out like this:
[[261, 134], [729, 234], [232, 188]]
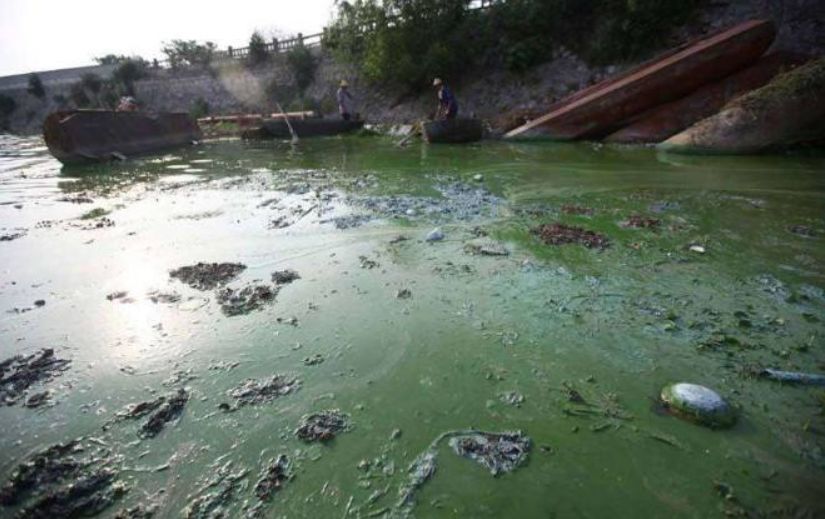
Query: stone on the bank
[[698, 403], [434, 235], [486, 247], [478, 177]]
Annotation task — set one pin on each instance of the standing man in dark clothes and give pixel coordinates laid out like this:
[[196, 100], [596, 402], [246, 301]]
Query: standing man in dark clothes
[[447, 104]]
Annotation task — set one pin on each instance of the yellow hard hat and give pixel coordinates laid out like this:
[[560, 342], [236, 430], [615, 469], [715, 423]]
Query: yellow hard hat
[[344, 83], [437, 81]]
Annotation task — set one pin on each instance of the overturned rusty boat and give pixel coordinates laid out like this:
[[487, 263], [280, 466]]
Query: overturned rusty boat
[[664, 121], [277, 128], [84, 136], [452, 131], [607, 106]]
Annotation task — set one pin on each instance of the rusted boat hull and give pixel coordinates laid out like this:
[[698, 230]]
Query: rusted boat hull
[[603, 108], [278, 128], [83, 136], [452, 131], [666, 120]]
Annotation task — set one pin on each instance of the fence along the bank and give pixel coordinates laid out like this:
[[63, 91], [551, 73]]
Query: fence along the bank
[[312, 40]]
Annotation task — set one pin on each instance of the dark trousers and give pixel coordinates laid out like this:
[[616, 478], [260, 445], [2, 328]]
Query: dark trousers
[[345, 116]]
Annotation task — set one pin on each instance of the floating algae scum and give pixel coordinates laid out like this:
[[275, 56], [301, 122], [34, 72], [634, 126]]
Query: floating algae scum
[[319, 297]]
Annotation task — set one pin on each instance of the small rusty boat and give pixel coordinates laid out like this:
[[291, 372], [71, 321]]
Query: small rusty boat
[[84, 136], [453, 131], [277, 128], [607, 106]]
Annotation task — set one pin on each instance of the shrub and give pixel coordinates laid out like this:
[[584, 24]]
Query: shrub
[[127, 73], [257, 54], [91, 82], [36, 87], [189, 53], [199, 108], [111, 59], [78, 95], [303, 65]]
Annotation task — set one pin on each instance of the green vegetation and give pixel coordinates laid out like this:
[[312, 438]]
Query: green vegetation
[[199, 108], [125, 75], [258, 54], [302, 64], [92, 91], [407, 42], [189, 53], [35, 87], [111, 59], [97, 212]]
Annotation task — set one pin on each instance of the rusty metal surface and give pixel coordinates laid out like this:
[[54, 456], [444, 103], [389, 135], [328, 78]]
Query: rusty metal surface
[[602, 108], [80, 136], [669, 119]]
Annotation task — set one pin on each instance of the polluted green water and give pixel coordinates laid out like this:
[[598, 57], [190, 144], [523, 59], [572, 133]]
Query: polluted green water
[[702, 270]]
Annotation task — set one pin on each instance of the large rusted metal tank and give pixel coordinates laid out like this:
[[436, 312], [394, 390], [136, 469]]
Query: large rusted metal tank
[[603, 108], [82, 136]]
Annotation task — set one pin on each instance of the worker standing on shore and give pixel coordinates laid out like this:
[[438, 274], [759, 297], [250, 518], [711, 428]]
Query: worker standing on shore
[[447, 104], [346, 102]]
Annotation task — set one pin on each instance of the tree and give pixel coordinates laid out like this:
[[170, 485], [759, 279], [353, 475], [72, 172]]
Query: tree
[[91, 82], [79, 96], [189, 53], [127, 73], [302, 64], [257, 50], [36, 87], [111, 59], [199, 108]]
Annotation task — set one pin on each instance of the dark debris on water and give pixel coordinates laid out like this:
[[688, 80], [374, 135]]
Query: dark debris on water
[[637, 221], [240, 301], [284, 277], [206, 276], [322, 426], [272, 478], [253, 392], [499, 452], [561, 234], [161, 411], [20, 372], [57, 482]]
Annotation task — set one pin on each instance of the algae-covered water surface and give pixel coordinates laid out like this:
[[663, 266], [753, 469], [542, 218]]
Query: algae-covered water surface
[[346, 328]]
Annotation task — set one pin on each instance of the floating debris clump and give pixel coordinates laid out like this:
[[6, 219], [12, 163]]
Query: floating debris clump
[[253, 392], [273, 478], [284, 277], [18, 373], [499, 452], [206, 276], [244, 300], [323, 426], [637, 221], [561, 234], [161, 410], [56, 482]]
